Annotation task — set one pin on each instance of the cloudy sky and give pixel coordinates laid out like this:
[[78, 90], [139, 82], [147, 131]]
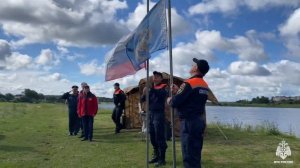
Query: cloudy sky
[[253, 46]]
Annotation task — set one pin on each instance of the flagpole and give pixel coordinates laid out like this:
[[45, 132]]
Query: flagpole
[[147, 107], [171, 82]]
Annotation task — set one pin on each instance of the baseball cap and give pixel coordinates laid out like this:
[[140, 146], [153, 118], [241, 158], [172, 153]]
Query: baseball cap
[[157, 73], [74, 86], [83, 84], [202, 66]]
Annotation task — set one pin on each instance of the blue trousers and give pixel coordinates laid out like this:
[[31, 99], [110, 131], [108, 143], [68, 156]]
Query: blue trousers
[[81, 126], [116, 117], [192, 141], [88, 126], [73, 121], [157, 131]]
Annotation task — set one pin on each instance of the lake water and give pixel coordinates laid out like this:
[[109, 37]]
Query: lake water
[[287, 119], [106, 106]]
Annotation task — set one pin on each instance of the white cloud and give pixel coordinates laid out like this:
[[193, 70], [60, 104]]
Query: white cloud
[[4, 49], [279, 78], [203, 47], [290, 31], [46, 57], [227, 86], [213, 6], [242, 90], [247, 48], [217, 73], [106, 89], [230, 6], [92, 68], [65, 22], [285, 72], [65, 53], [63, 50], [55, 77], [46, 60], [292, 25], [13, 60], [17, 61], [46, 83], [282, 80], [247, 68]]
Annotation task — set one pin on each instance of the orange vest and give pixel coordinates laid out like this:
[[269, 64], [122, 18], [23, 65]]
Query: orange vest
[[197, 82], [160, 86], [119, 91]]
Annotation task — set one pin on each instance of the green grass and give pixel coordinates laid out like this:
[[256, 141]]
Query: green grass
[[35, 135]]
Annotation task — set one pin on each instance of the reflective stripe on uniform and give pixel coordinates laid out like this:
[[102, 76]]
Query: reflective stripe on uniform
[[197, 82]]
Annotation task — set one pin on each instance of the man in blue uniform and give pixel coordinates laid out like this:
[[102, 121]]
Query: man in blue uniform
[[71, 99], [157, 98], [190, 103], [119, 101]]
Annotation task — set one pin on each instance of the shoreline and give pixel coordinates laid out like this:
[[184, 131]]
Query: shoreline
[[257, 105]]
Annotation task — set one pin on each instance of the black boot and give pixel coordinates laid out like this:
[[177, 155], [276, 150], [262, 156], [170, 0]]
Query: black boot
[[117, 131], [155, 156], [161, 160]]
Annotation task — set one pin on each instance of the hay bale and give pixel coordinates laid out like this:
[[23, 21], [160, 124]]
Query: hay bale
[[132, 117]]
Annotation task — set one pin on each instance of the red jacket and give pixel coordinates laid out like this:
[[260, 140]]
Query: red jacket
[[87, 105]]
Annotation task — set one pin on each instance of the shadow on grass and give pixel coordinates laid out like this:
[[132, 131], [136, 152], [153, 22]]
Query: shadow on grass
[[107, 135], [8, 148], [103, 130], [2, 137]]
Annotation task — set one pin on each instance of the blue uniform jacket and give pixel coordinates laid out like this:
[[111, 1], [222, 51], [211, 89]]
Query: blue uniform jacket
[[119, 98], [191, 98], [157, 98], [72, 100]]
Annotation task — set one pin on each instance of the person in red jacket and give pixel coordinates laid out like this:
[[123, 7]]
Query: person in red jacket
[[87, 109]]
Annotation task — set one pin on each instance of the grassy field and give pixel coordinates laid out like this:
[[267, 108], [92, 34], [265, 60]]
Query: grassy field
[[35, 135]]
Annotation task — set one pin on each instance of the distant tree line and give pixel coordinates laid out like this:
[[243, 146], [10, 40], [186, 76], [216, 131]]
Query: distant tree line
[[31, 96], [105, 99], [266, 100]]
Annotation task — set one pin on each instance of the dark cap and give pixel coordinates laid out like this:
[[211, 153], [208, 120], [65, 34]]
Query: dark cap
[[74, 86], [83, 83], [202, 66], [157, 73], [117, 84]]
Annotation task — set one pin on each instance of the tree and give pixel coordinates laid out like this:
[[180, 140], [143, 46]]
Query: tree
[[2, 98], [31, 94], [243, 101], [264, 100], [41, 96], [261, 100], [9, 97]]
